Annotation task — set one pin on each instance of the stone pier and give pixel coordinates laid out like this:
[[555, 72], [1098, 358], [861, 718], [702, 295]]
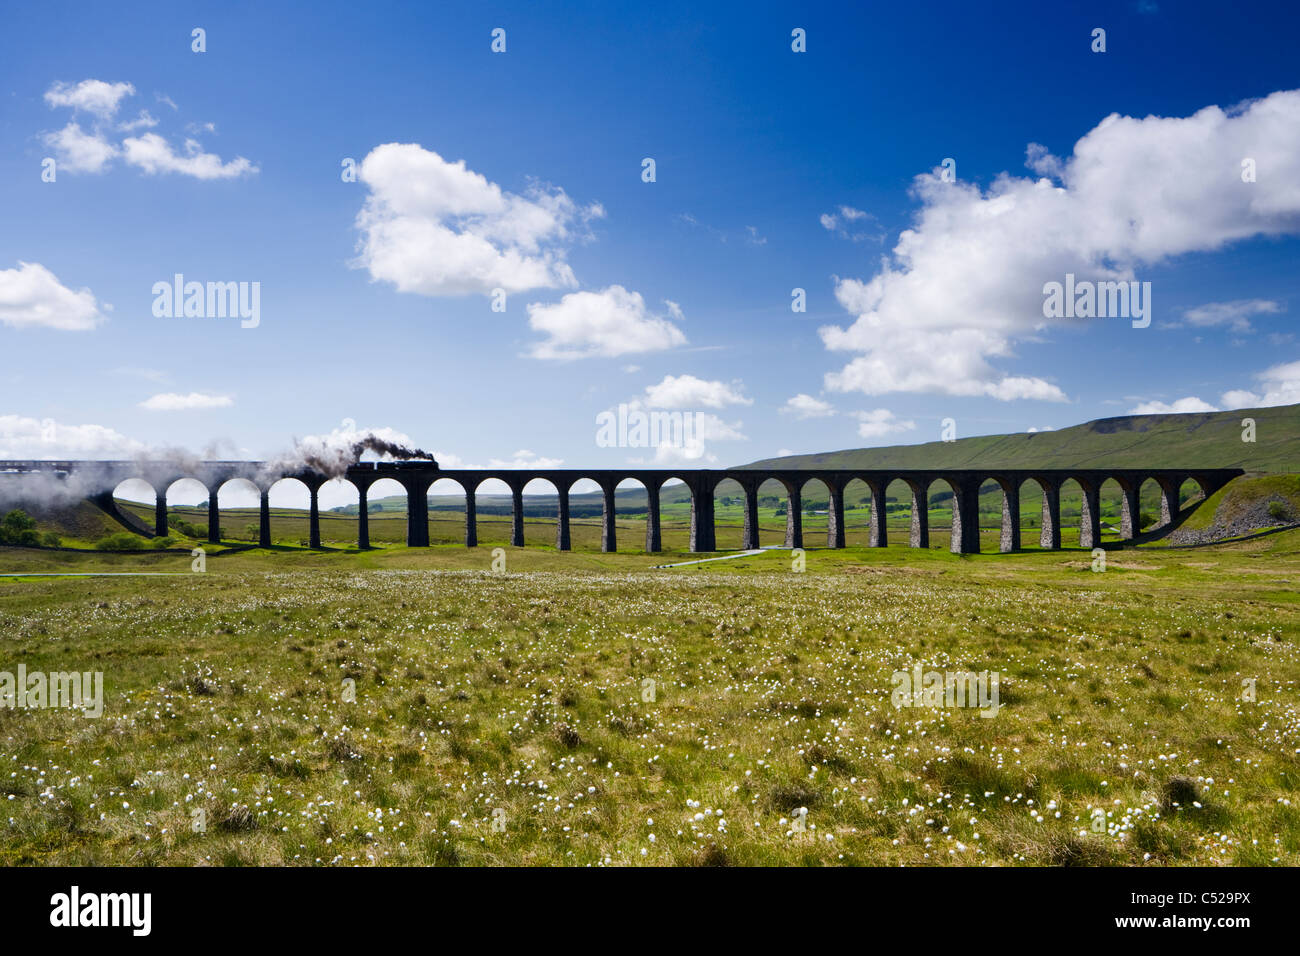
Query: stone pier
[[835, 516], [1130, 510], [264, 520], [608, 530], [562, 541], [1049, 535], [214, 518], [879, 537], [1090, 519], [1010, 540], [517, 516], [793, 516], [653, 534], [920, 532], [749, 536], [417, 515], [363, 517]]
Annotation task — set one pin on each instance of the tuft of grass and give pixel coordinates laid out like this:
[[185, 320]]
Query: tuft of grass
[[1178, 791]]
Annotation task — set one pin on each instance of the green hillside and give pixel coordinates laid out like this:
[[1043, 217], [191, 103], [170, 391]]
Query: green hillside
[[1208, 440]]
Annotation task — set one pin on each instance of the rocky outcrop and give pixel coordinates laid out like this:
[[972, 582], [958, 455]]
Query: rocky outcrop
[[1271, 512]]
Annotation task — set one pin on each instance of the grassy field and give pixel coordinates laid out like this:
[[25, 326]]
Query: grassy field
[[506, 718]]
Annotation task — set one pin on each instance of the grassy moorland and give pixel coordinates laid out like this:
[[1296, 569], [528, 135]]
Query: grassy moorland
[[504, 717]]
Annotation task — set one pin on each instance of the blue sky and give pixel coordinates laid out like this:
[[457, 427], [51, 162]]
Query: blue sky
[[774, 170]]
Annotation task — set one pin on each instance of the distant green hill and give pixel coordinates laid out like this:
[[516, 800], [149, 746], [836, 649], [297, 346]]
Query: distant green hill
[[1206, 440]]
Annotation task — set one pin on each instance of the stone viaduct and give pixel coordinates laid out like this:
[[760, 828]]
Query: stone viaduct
[[99, 478]]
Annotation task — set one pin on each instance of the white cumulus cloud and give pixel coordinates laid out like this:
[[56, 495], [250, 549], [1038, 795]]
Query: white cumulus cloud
[[153, 154], [805, 406], [880, 422], [1279, 385], [438, 228], [966, 281], [32, 295], [1235, 314], [175, 402], [687, 391], [22, 437], [89, 96], [77, 151], [1179, 407], [611, 322], [81, 151]]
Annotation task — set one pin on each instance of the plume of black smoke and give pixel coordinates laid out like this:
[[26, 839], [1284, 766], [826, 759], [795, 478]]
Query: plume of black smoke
[[334, 454], [382, 446]]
